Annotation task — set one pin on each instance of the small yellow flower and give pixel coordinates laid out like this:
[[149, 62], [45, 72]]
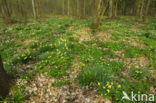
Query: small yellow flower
[[49, 57], [137, 66], [112, 83], [109, 86], [99, 83], [108, 90], [30, 56], [23, 55], [104, 87], [18, 58], [119, 86], [137, 71], [83, 65], [25, 58]]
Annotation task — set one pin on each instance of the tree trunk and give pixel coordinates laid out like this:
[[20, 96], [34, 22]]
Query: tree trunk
[[141, 11], [68, 7], [110, 8], [5, 8], [138, 4], [104, 9], [147, 7], [84, 6], [115, 9], [63, 7], [4, 81], [5, 13], [34, 9], [96, 15], [78, 9]]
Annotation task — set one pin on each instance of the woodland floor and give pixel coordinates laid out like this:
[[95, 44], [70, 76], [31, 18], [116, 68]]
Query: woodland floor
[[61, 60]]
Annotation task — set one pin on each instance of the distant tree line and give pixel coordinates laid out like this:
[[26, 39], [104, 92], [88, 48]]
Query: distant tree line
[[76, 8]]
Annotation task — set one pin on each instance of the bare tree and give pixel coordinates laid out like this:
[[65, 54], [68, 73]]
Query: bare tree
[[34, 9]]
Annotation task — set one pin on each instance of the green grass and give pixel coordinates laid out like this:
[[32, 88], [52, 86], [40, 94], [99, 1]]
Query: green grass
[[59, 83], [133, 52], [117, 36], [116, 46]]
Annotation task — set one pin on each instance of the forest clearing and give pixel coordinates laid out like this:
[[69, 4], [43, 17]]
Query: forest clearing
[[64, 59]]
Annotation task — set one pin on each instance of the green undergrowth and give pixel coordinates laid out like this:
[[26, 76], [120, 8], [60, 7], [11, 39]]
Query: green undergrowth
[[50, 47]]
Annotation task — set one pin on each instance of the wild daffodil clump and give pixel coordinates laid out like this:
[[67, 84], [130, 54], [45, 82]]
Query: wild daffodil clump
[[138, 73], [107, 89], [23, 57]]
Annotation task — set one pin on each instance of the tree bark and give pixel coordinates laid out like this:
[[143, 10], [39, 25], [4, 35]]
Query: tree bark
[[96, 15], [4, 80]]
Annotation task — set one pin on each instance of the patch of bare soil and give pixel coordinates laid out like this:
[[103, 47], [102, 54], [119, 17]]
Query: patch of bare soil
[[135, 29], [83, 38], [83, 35], [141, 61], [103, 36], [28, 41], [134, 41], [82, 31]]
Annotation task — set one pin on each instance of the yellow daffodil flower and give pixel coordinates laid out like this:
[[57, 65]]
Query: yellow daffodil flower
[[112, 83], [108, 90], [25, 58], [104, 87], [109, 86], [49, 57], [136, 66], [119, 86]]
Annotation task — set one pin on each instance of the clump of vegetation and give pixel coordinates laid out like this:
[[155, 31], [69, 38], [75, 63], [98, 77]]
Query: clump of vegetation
[[23, 57], [138, 73], [100, 73]]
